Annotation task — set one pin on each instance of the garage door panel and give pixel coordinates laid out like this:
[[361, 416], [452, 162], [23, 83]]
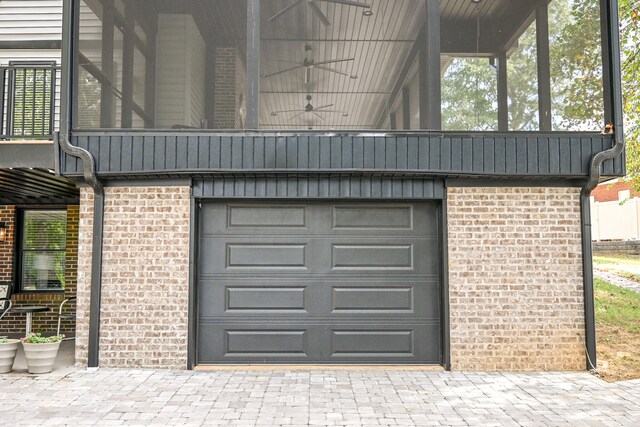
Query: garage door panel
[[271, 255], [246, 298], [266, 343], [333, 343], [308, 283], [369, 217]]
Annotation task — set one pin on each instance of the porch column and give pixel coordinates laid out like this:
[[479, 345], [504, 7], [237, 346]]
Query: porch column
[[406, 108], [126, 114], [430, 81], [544, 68], [503, 94], [106, 89], [253, 64]]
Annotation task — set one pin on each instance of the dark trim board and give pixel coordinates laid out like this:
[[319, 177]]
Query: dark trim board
[[514, 155], [319, 188]]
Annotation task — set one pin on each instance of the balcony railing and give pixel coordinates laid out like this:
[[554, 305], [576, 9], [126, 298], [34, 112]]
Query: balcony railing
[[29, 101]]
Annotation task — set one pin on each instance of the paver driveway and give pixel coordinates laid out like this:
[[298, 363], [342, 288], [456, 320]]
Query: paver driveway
[[316, 397]]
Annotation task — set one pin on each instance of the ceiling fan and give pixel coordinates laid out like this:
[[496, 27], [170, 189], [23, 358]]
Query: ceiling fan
[[309, 63], [318, 12], [310, 109]]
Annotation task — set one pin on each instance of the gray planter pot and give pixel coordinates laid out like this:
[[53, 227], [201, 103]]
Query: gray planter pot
[[40, 357], [8, 352]]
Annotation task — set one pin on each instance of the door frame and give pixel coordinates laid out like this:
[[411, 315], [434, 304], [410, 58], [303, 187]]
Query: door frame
[[194, 244]]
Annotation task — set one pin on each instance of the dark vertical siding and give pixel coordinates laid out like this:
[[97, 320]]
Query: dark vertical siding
[[509, 155]]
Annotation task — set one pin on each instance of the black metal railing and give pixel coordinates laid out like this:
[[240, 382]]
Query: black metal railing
[[28, 95]]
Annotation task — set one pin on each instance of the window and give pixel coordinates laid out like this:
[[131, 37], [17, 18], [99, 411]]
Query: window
[[42, 249]]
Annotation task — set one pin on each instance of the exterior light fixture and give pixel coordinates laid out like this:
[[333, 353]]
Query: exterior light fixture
[[367, 12], [3, 231]]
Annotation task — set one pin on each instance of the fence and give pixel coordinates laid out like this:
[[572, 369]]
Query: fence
[[617, 220], [28, 101]]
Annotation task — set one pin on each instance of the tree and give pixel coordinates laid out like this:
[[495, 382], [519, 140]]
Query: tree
[[630, 56]]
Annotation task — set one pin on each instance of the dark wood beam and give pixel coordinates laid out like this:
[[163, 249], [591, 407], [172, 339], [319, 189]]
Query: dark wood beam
[[406, 108], [253, 64], [429, 70], [128, 47], [544, 67], [107, 95], [503, 92]]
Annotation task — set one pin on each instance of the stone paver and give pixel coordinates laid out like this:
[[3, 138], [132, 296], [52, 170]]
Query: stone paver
[[317, 397], [614, 279]]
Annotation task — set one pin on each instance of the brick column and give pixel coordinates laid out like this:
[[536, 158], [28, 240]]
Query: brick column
[[515, 275], [145, 277]]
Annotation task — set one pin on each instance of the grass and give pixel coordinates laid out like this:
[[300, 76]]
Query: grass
[[627, 266], [618, 332]]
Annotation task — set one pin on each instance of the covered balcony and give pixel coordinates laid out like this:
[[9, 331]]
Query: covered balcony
[[482, 88]]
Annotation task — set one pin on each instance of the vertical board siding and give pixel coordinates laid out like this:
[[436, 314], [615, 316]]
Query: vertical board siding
[[318, 187], [512, 156]]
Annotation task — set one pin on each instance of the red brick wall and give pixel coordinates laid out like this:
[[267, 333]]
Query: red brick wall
[[42, 322], [515, 277], [609, 192]]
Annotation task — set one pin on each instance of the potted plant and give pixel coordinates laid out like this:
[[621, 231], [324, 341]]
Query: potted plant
[[8, 350], [41, 352]]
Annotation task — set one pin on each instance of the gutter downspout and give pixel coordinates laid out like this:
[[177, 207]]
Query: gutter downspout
[[616, 130], [96, 247], [62, 141]]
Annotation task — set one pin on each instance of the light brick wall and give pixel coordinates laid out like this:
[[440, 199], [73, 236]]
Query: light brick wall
[[145, 277], [230, 89], [515, 277], [45, 323]]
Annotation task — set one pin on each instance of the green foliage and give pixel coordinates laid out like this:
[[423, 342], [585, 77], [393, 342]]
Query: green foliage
[[630, 56], [37, 338]]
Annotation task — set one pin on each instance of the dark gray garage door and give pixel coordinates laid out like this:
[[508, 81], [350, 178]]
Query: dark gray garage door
[[332, 283]]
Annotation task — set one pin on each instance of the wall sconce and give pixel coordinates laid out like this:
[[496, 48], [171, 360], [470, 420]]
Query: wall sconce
[[3, 231]]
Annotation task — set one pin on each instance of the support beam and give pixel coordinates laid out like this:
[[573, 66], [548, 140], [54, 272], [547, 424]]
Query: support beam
[[210, 85], [150, 75], [406, 108], [126, 113], [544, 67], [503, 92], [429, 70], [253, 64], [107, 96], [393, 123]]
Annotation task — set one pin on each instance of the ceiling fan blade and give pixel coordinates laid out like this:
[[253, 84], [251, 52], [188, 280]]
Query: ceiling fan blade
[[286, 111], [324, 106], [319, 67], [316, 9], [317, 115], [283, 71], [333, 61], [296, 116], [348, 3], [331, 111], [285, 10]]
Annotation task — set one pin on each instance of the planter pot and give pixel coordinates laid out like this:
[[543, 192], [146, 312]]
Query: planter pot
[[8, 352], [40, 357]]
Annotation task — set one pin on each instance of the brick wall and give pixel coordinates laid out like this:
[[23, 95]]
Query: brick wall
[[42, 322], [230, 89], [145, 277], [8, 216], [515, 277]]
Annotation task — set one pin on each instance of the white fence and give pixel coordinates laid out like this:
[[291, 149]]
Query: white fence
[[615, 220]]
